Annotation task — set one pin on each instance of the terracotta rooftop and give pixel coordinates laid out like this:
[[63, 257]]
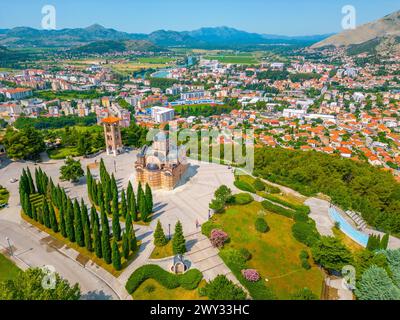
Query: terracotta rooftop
[[110, 120]]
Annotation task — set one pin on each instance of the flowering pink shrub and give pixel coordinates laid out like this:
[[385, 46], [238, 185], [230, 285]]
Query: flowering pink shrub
[[218, 238], [251, 275]]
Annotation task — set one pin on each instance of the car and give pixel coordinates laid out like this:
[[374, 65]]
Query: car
[[13, 180]]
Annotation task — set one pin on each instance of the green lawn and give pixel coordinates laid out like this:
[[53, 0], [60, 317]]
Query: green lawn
[[237, 59], [275, 254], [8, 270], [162, 252], [150, 289], [155, 60], [62, 153]]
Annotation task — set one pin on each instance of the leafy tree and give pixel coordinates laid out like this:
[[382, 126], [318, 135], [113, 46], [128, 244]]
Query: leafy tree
[[71, 170], [178, 240], [160, 239], [27, 285], [116, 256], [26, 143], [221, 288], [331, 254]]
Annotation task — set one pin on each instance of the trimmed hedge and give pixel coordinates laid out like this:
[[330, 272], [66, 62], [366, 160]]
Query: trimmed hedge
[[189, 280], [297, 207], [277, 209], [258, 185], [242, 198], [242, 185]]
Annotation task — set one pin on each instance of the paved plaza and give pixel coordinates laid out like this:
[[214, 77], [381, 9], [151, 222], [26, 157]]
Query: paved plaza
[[188, 202]]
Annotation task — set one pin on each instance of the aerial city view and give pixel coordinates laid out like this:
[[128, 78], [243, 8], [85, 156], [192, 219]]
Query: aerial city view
[[200, 150]]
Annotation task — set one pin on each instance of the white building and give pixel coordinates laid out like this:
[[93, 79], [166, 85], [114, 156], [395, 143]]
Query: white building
[[161, 114], [293, 113]]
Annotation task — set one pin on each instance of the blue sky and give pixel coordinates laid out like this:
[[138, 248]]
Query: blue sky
[[287, 17]]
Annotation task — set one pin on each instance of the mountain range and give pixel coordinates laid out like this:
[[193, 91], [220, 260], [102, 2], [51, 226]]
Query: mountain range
[[202, 38], [381, 36]]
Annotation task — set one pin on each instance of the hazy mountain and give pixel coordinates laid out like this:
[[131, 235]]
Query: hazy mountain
[[109, 46], [203, 37], [369, 36]]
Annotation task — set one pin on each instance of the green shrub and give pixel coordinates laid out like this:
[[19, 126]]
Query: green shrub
[[221, 288], [242, 185], [304, 294], [150, 271], [272, 189], [304, 254], [190, 280], [277, 209], [233, 256], [261, 225], [242, 198], [259, 185], [208, 226], [246, 254], [305, 233], [300, 217], [305, 264]]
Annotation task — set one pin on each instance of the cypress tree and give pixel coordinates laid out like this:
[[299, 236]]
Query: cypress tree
[[125, 245], [53, 219], [160, 239], [178, 240], [95, 197], [115, 208], [104, 221], [107, 205], [141, 203], [34, 213], [129, 192], [100, 197], [149, 199], [128, 223], [85, 214], [27, 206], [114, 187], [105, 246], [123, 204], [132, 240], [46, 214], [116, 226], [116, 256], [80, 239], [134, 210], [62, 222], [69, 221], [30, 182], [40, 215], [89, 182], [96, 234], [88, 238]]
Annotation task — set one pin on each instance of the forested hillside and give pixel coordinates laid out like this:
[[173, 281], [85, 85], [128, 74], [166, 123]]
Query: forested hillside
[[350, 184]]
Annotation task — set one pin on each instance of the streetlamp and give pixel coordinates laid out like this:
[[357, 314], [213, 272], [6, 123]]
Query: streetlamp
[[115, 167], [9, 246], [169, 231]]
